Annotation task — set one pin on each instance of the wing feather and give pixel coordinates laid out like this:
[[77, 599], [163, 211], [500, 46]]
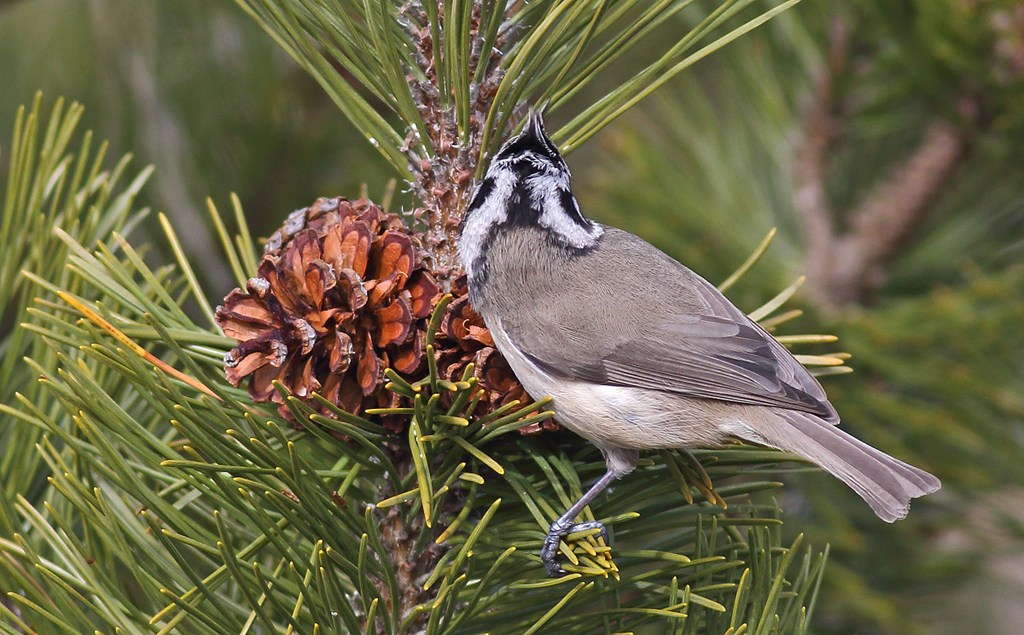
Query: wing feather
[[690, 340]]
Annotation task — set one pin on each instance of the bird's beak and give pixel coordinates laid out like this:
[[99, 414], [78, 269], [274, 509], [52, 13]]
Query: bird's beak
[[531, 137], [535, 125]]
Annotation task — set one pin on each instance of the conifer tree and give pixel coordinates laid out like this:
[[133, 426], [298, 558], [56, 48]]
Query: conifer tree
[[150, 493]]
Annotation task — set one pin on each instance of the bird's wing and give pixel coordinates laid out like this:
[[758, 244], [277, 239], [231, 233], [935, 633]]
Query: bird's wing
[[688, 340], [700, 356]]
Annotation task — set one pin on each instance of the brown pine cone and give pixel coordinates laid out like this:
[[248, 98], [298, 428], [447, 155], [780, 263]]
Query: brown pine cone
[[340, 295]]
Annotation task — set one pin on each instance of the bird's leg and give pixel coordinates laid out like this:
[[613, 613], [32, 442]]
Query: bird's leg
[[565, 526]]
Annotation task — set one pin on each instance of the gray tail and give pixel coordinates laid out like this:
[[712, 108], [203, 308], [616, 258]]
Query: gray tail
[[885, 483]]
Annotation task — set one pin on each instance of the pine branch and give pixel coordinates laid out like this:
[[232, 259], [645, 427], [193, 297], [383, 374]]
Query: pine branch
[[178, 502], [49, 185], [207, 513], [457, 75]]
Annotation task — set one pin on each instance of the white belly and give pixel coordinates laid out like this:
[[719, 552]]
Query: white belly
[[623, 417]]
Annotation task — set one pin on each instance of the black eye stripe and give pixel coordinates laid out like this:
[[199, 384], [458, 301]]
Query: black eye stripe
[[571, 208], [482, 193]]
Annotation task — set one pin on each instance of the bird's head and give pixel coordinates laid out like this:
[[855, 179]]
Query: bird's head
[[531, 154], [526, 185]]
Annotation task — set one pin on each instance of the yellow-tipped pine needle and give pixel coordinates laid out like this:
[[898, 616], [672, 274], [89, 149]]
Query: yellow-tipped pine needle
[[582, 535], [769, 307], [398, 498], [819, 360], [478, 453], [806, 339], [694, 472], [586, 546], [601, 563], [697, 468], [771, 323], [567, 552], [594, 570], [540, 584], [678, 473], [98, 320], [750, 262]]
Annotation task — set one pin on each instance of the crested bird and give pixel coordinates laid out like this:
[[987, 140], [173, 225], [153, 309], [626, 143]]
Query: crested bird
[[635, 350]]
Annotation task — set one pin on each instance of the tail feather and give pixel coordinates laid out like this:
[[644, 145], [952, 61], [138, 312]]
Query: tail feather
[[885, 483]]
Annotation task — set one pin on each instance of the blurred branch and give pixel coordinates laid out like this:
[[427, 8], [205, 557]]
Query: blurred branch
[[811, 202], [887, 216], [844, 267], [164, 137]]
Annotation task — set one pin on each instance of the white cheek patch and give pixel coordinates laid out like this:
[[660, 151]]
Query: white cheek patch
[[546, 192], [493, 211]]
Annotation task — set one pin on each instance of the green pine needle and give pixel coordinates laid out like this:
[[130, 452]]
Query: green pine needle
[[160, 497]]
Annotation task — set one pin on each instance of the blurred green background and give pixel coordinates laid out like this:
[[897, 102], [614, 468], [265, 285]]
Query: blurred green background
[[882, 138]]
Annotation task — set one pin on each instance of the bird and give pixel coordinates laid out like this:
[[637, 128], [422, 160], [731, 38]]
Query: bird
[[636, 351]]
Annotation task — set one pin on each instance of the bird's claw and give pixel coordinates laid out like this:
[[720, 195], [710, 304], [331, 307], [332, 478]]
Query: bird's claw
[[558, 531]]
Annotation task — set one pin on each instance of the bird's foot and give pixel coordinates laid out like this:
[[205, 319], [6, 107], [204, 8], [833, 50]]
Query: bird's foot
[[558, 532]]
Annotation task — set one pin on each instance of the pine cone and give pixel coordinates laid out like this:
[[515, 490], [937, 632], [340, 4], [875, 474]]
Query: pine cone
[[341, 294]]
